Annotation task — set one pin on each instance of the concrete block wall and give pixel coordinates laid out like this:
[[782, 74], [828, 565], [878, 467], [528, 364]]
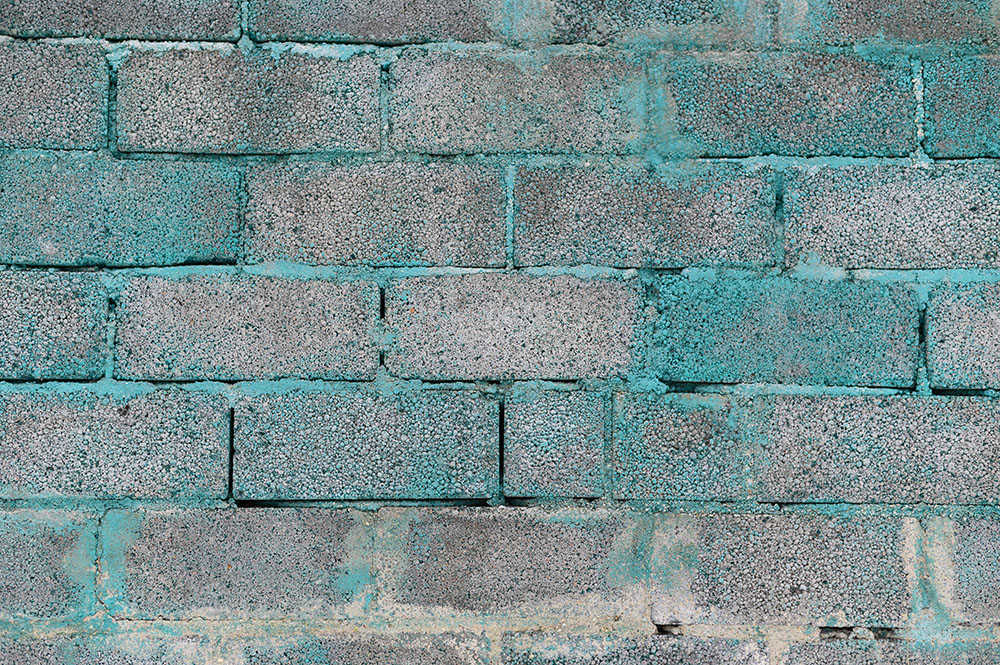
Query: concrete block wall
[[481, 332]]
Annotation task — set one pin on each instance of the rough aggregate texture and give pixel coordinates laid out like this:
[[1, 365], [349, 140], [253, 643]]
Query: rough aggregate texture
[[658, 650], [891, 652], [958, 96], [410, 648], [963, 339], [156, 19]]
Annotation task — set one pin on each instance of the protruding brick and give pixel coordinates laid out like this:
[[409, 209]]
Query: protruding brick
[[499, 101], [721, 214], [224, 101], [730, 330], [233, 326], [958, 93], [678, 447], [401, 213], [554, 444], [893, 22], [48, 563], [533, 649], [413, 445], [891, 652], [76, 210], [233, 563], [368, 649], [780, 570], [509, 326], [156, 19], [163, 444], [52, 325], [887, 216], [963, 339], [54, 95], [738, 104], [516, 562]]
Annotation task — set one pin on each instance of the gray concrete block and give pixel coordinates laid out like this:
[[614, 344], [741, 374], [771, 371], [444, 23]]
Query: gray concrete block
[[963, 340]]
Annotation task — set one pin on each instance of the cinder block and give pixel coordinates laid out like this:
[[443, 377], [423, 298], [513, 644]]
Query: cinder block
[[963, 340], [48, 559], [535, 649], [135, 648], [892, 652], [515, 562], [224, 101], [511, 326], [679, 447], [740, 104], [554, 444], [158, 19], [243, 563], [781, 570], [730, 330], [368, 649], [54, 95], [53, 325], [968, 586], [888, 22], [79, 209], [89, 443], [477, 100], [432, 444], [395, 214], [678, 216], [234, 326], [887, 216], [957, 93]]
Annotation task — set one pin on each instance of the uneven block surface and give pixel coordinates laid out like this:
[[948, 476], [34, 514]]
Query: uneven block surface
[[446, 649], [962, 334], [660, 650], [957, 94], [159, 19]]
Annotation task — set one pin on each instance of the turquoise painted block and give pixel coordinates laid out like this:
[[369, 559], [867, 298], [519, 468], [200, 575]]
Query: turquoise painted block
[[962, 336], [959, 95]]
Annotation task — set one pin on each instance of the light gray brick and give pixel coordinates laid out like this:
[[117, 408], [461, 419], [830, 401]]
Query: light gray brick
[[887, 216], [234, 563], [412, 445], [396, 214], [780, 570], [76, 210], [233, 326], [54, 95], [514, 562], [78, 443], [52, 325], [963, 339], [225, 101], [678, 216], [368, 649], [786, 103], [971, 545], [497, 101], [554, 444], [156, 19], [554, 649], [509, 326], [139, 648], [892, 652]]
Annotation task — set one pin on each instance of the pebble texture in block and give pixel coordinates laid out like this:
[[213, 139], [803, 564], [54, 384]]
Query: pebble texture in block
[[139, 648], [77, 210], [233, 563], [497, 101], [233, 326], [554, 444], [959, 95], [721, 214], [678, 447], [414, 445], [224, 101], [48, 563], [785, 330], [971, 587], [888, 22], [503, 326], [869, 449], [156, 19], [780, 570], [54, 95], [52, 325], [369, 649], [532, 649], [738, 104], [892, 652], [963, 336], [513, 561], [885, 216], [69, 443], [395, 214]]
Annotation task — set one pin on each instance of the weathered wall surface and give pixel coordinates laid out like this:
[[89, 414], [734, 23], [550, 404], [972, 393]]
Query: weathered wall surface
[[483, 332]]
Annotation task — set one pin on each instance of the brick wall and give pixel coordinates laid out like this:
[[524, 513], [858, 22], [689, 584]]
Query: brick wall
[[482, 332]]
